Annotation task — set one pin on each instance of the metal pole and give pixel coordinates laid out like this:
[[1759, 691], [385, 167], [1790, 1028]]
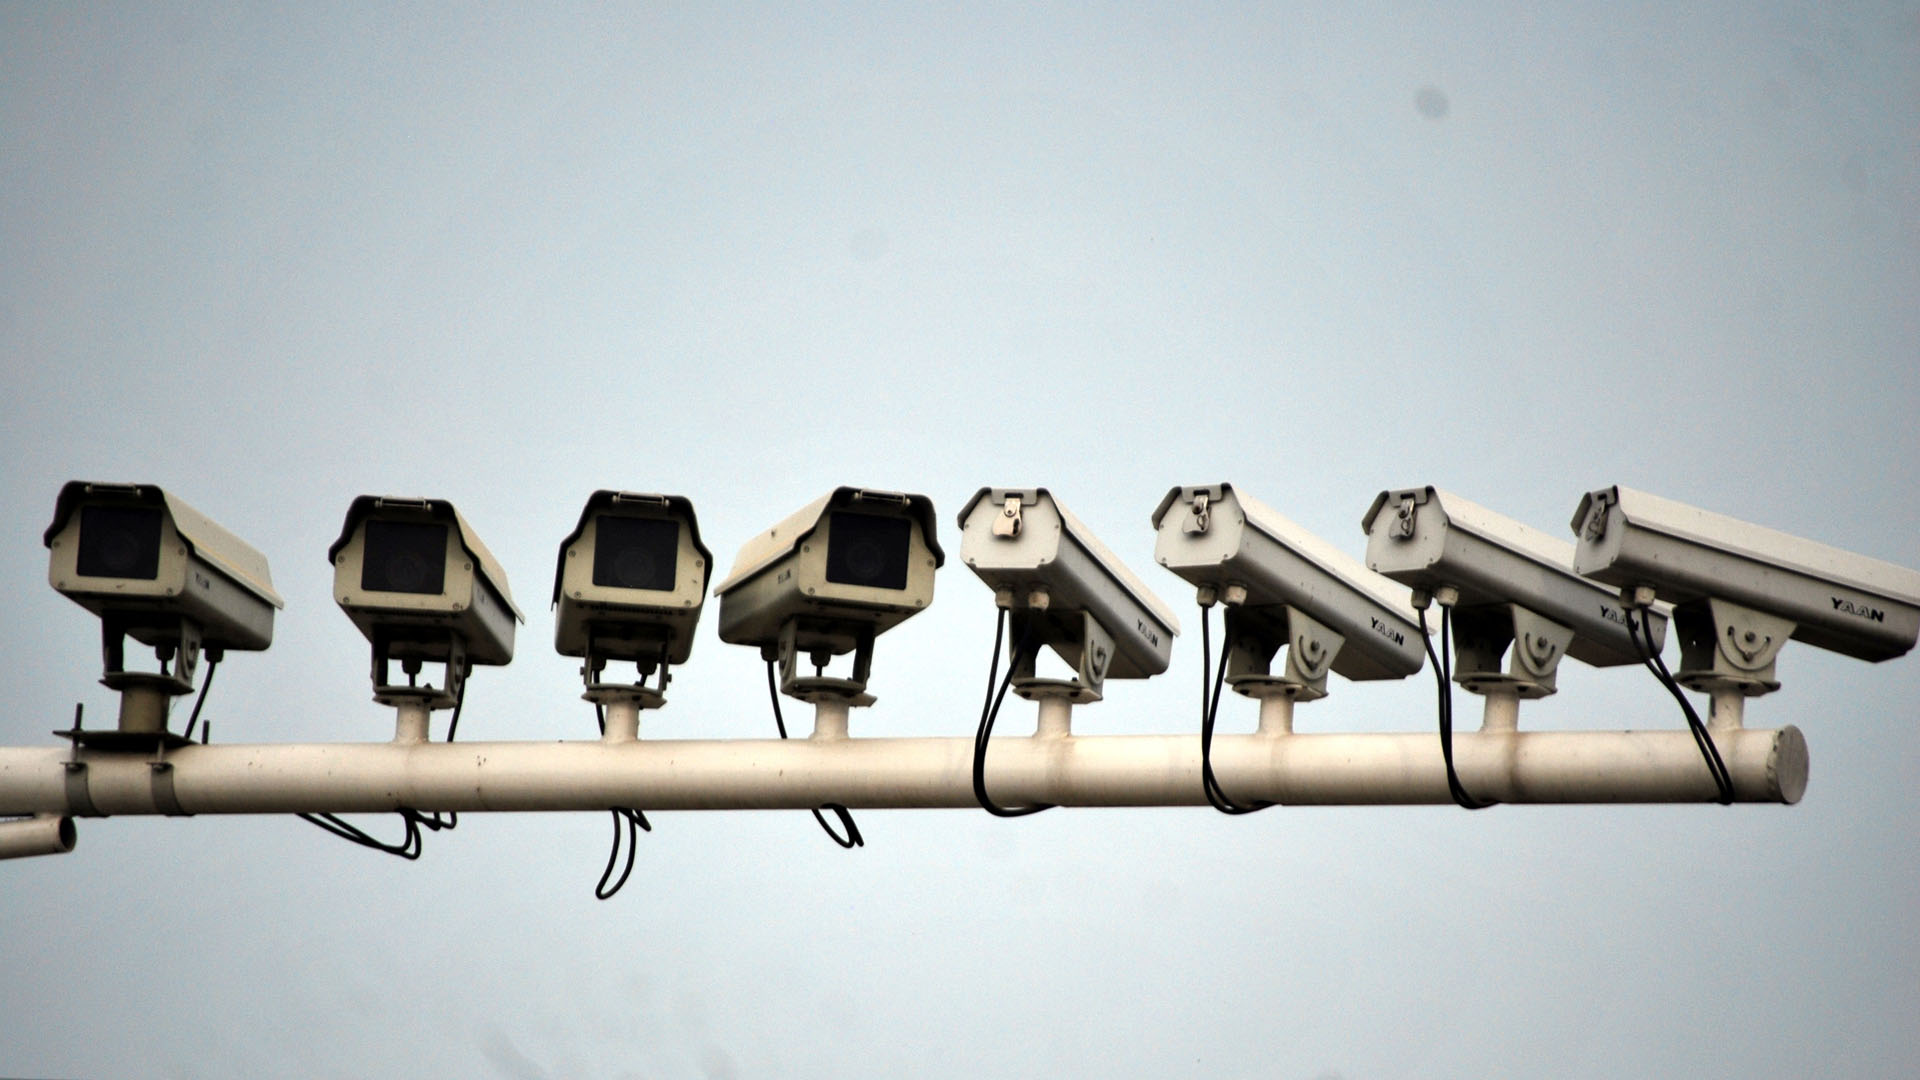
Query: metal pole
[[1068, 770], [42, 834]]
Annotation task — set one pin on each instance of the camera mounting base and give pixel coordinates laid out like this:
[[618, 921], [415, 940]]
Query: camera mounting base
[[143, 719], [1090, 650], [1531, 643], [176, 642], [1725, 647], [411, 654], [1072, 691], [1257, 636], [796, 638], [821, 690], [608, 695]]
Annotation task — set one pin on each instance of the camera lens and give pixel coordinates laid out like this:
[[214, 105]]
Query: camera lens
[[404, 557], [120, 541], [636, 553], [867, 549]]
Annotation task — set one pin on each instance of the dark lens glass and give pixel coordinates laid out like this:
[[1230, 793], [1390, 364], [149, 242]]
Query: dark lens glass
[[636, 553], [120, 541], [404, 556], [866, 549]]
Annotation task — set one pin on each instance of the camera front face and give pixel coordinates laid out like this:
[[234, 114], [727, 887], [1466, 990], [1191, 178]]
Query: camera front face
[[417, 582], [636, 553], [847, 566], [402, 563], [113, 552], [120, 542], [150, 564], [404, 557], [872, 560], [869, 550], [631, 584]]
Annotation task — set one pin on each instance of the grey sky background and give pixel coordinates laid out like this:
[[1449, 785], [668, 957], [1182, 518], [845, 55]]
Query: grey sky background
[[276, 257]]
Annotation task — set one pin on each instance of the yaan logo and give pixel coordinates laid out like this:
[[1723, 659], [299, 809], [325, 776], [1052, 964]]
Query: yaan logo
[[1147, 632], [1387, 632], [1613, 615], [1871, 614]]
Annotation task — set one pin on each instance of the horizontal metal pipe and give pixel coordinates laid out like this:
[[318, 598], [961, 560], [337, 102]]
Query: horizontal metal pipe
[[1073, 770], [42, 834]]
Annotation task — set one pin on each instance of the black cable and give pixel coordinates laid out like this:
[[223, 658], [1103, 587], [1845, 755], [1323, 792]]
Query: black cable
[[852, 839], [633, 820], [411, 843], [1702, 738], [622, 815], [213, 662], [1209, 710], [459, 702], [1443, 673], [990, 713], [409, 847], [431, 821]]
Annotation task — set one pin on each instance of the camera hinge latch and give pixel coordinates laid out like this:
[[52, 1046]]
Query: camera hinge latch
[[1007, 524], [1197, 524]]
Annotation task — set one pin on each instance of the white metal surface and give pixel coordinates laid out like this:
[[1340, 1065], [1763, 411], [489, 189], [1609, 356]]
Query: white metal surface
[[204, 574], [1052, 551], [780, 579], [1490, 559], [627, 623], [42, 834], [1239, 540], [1855, 605], [208, 539], [474, 604], [769, 547], [1068, 770]]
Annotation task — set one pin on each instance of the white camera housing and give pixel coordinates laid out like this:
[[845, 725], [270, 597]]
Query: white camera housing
[[631, 580], [1286, 587], [133, 549], [846, 567], [1851, 604], [416, 580], [1067, 588], [1433, 540], [158, 571]]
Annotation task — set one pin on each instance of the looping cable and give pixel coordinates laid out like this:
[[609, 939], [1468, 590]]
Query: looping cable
[[1442, 664], [852, 838], [1642, 635], [411, 843], [408, 848], [990, 712], [1209, 710], [632, 820]]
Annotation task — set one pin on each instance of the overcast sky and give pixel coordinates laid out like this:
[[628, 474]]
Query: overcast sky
[[276, 257]]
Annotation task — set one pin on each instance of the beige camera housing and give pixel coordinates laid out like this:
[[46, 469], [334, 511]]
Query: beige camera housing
[[846, 567], [617, 622], [471, 613], [201, 573]]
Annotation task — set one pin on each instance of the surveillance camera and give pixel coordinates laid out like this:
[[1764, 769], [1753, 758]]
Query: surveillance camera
[[1723, 574], [421, 586], [1286, 586], [158, 571], [846, 567], [1064, 588], [631, 580], [1434, 541]]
